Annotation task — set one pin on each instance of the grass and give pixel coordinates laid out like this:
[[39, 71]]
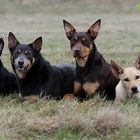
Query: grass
[[94, 119], [67, 119]]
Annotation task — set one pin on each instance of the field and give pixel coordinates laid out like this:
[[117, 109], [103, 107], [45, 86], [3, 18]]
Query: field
[[119, 39]]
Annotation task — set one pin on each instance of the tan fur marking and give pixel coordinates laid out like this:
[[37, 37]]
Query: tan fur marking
[[20, 75], [19, 51], [76, 38], [90, 87], [77, 86], [84, 53], [69, 96], [31, 98], [27, 63], [83, 39], [82, 61], [26, 52]]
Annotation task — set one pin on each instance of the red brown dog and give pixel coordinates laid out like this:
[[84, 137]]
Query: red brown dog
[[93, 73]]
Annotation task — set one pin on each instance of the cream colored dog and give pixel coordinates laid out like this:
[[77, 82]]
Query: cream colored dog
[[129, 84]]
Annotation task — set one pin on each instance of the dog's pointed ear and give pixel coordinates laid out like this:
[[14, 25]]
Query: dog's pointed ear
[[1, 45], [37, 44], [12, 41], [94, 29], [137, 63], [69, 29], [116, 69]]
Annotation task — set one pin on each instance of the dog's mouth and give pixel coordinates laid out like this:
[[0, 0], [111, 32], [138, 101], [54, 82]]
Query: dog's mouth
[[80, 57], [131, 94], [22, 68], [81, 60], [135, 92]]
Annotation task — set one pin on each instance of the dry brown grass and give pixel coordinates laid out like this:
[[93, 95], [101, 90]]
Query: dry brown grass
[[107, 121], [93, 118], [100, 121]]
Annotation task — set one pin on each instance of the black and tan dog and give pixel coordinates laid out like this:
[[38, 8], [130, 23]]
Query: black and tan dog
[[8, 82], [93, 73], [35, 75]]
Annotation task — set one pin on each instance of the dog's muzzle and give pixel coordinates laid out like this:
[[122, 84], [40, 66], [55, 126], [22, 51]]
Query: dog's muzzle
[[134, 89], [21, 65], [77, 55]]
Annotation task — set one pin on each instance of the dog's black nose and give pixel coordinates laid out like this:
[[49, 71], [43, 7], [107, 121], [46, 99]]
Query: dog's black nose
[[134, 89], [21, 62], [77, 52]]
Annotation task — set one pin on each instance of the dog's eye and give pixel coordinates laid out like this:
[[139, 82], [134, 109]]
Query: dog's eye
[[137, 77], [26, 52], [18, 51], [83, 39], [126, 79], [76, 38]]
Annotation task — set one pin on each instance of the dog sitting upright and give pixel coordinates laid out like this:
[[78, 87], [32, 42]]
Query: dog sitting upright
[[129, 84], [93, 73], [8, 82], [35, 75]]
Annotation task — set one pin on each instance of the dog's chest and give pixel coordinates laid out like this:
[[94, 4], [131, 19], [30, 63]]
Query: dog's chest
[[88, 87], [31, 86]]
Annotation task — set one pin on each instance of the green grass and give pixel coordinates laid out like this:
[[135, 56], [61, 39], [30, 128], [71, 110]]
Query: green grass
[[119, 39]]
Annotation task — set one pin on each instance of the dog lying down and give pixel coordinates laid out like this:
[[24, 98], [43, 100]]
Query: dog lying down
[[129, 85], [35, 75]]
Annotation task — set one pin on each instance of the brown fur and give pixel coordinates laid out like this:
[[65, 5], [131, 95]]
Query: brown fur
[[31, 98], [77, 86], [27, 64], [90, 88], [69, 96], [131, 74], [92, 71]]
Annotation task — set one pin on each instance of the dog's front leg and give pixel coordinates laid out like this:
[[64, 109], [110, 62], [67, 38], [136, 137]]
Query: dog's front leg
[[77, 87], [117, 102]]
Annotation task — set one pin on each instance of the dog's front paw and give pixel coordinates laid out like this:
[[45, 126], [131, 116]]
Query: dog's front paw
[[31, 98], [69, 96], [117, 102]]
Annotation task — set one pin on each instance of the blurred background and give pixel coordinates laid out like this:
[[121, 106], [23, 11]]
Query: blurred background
[[119, 36]]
